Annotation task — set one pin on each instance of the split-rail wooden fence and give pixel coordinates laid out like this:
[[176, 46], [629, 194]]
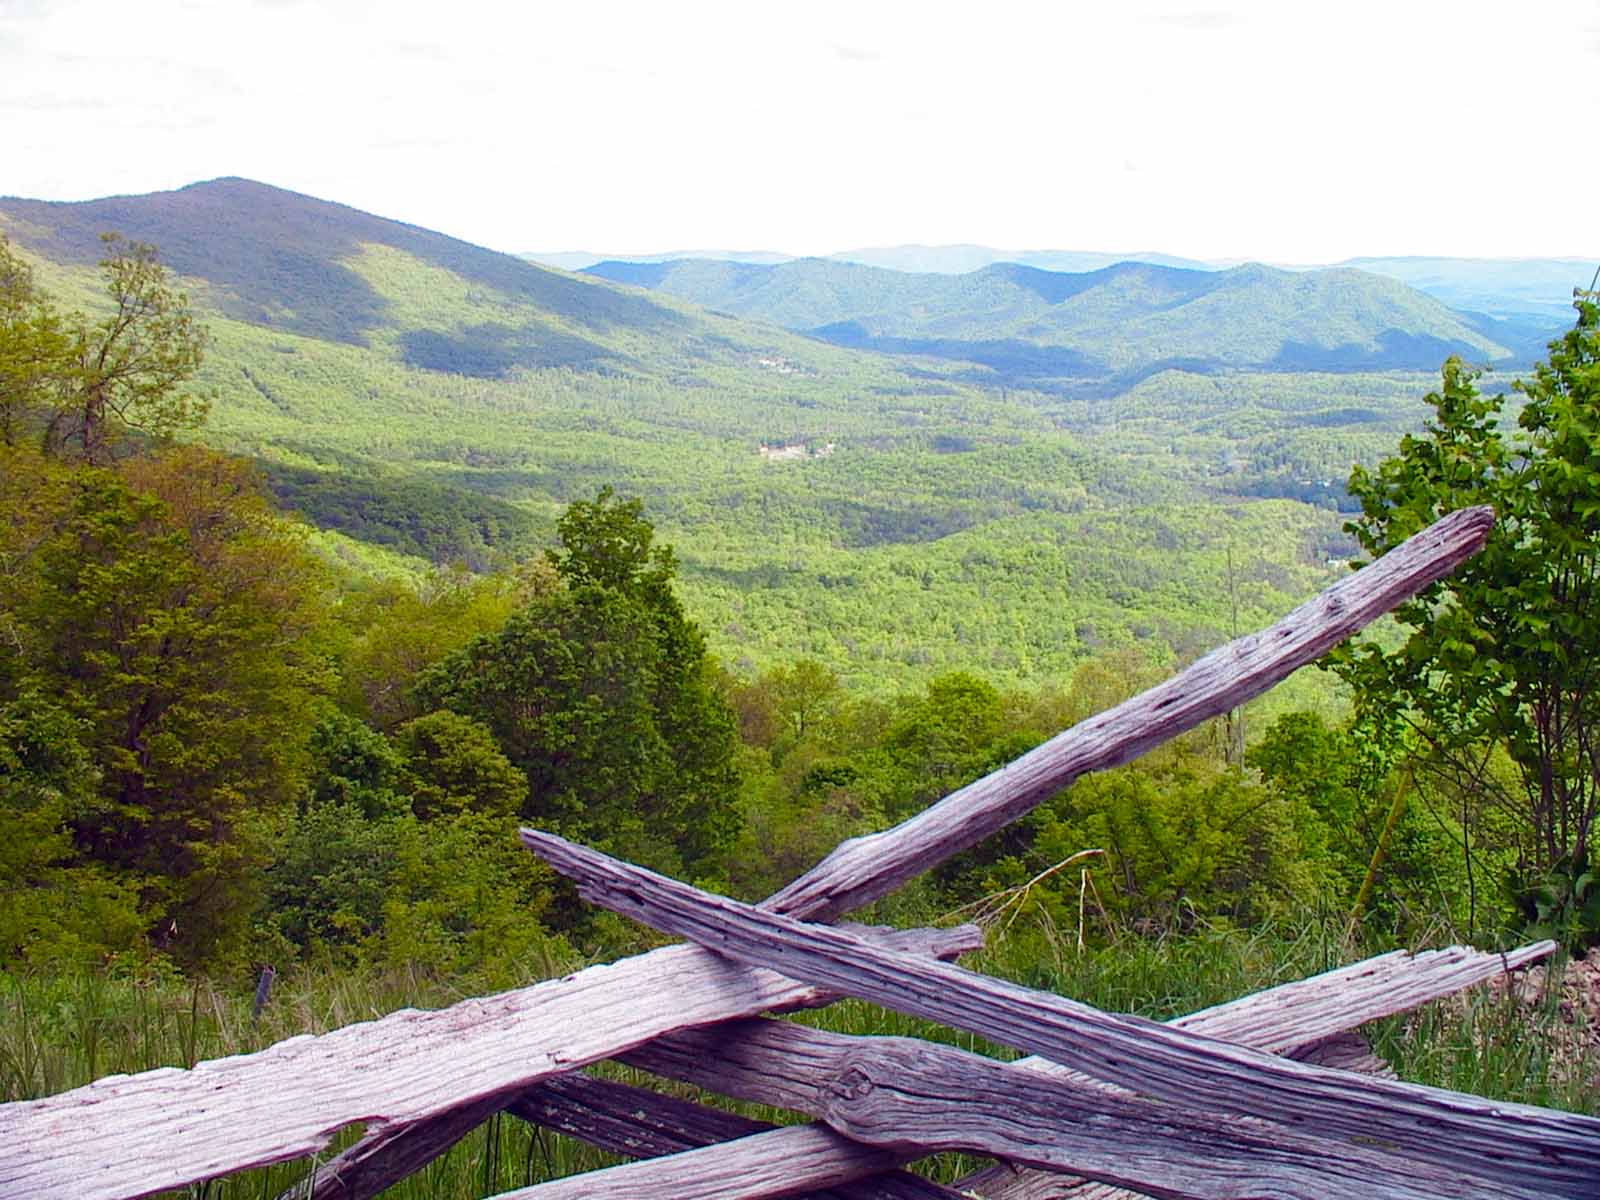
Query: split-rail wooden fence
[[1267, 1096]]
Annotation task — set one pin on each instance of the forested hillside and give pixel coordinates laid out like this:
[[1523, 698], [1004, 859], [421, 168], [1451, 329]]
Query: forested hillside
[[427, 398]]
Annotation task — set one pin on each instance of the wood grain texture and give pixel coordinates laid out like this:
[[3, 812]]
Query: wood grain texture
[[628, 1120], [1009, 1181], [391, 1153], [918, 1098], [1307, 1010], [895, 1090], [1307, 1019], [862, 869], [1496, 1145], [642, 1124], [783, 1162], [128, 1136]]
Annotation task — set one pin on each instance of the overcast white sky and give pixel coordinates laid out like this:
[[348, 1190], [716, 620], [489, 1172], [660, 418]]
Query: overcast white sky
[[1284, 131]]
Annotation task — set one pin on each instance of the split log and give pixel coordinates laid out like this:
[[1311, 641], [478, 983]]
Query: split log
[[918, 1098], [1307, 1019], [127, 1136], [1346, 1052], [782, 1162], [1006, 1181], [1313, 1011], [645, 1124], [627, 1120], [865, 868], [1518, 1149], [389, 1154], [624, 1120], [1295, 1015]]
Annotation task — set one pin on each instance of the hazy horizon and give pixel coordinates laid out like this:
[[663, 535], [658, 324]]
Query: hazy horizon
[[1241, 129]]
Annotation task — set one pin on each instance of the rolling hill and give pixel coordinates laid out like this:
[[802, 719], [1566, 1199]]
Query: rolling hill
[[1109, 327], [283, 260]]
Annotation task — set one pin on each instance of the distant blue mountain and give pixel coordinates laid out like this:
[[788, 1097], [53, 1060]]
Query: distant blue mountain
[[961, 260], [1499, 287], [578, 260]]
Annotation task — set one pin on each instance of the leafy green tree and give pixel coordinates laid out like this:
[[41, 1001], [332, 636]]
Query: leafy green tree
[[354, 765], [35, 349], [325, 880], [606, 542], [1335, 789], [401, 853], [35, 492], [454, 766], [1355, 813], [452, 895], [805, 694], [957, 731], [53, 907], [1185, 841], [129, 368], [393, 631], [601, 692], [173, 616], [790, 824], [1501, 660]]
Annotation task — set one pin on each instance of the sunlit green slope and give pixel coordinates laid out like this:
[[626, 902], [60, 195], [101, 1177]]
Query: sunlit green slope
[[893, 516]]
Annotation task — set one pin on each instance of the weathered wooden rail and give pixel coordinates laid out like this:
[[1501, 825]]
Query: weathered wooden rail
[[1448, 1140], [1195, 1108]]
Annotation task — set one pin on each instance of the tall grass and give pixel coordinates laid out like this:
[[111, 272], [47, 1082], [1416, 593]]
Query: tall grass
[[61, 1031]]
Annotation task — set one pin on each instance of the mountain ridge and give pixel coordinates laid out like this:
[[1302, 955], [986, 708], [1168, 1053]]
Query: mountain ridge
[[280, 258], [1030, 324], [1504, 288]]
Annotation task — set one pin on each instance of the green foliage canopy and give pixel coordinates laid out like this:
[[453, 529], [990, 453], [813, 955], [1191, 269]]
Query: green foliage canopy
[[600, 690], [34, 346], [168, 612], [1504, 655]]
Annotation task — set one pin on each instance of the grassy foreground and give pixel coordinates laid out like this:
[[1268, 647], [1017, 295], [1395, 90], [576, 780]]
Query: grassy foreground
[[61, 1031]]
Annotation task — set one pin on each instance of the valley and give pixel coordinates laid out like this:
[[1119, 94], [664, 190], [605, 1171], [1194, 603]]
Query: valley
[[423, 401]]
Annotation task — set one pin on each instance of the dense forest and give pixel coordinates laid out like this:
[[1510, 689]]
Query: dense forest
[[223, 743]]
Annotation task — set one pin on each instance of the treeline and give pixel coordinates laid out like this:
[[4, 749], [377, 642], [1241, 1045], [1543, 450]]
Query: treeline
[[215, 749]]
